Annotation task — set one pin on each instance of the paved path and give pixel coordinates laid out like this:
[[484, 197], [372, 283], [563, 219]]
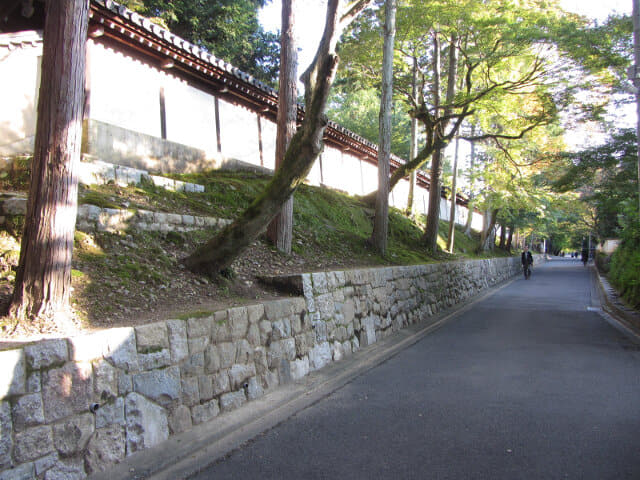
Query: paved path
[[528, 384]]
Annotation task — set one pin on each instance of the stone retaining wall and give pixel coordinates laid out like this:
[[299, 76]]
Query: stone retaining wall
[[73, 406], [92, 172], [91, 218]]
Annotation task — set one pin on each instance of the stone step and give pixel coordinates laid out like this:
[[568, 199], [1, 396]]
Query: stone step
[[92, 218], [94, 171]]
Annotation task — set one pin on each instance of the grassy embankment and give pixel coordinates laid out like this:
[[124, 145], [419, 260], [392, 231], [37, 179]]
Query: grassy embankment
[[118, 275]]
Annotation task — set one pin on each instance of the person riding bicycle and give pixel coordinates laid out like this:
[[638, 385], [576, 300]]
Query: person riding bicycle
[[527, 261]]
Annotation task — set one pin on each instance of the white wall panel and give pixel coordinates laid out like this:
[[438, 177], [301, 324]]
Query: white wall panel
[[124, 91]]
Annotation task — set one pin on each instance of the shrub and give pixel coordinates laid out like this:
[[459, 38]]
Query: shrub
[[625, 261]]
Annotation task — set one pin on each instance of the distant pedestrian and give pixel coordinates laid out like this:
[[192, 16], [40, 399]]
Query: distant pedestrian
[[585, 256], [527, 262]]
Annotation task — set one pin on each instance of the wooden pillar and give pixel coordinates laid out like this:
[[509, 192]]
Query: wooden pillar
[[217, 115], [260, 141], [163, 115]]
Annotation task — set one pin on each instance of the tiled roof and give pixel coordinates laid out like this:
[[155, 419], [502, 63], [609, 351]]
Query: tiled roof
[[262, 93], [189, 48], [12, 41], [166, 35]]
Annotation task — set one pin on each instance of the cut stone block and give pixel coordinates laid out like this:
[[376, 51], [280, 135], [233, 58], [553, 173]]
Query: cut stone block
[[162, 386], [71, 436], [27, 411], [233, 400], [46, 354], [5, 434], [147, 423], [205, 412], [67, 390], [152, 337], [111, 413], [33, 443]]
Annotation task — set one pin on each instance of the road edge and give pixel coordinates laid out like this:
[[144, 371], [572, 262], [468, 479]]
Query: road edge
[[624, 318]]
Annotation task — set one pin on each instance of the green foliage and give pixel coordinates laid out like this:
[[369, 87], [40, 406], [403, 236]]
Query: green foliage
[[625, 261], [358, 110], [229, 29], [606, 176]]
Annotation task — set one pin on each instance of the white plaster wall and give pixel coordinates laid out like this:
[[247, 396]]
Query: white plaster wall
[[190, 115], [445, 209], [313, 178], [331, 167], [476, 221], [400, 194], [369, 177], [269, 131], [124, 91], [421, 200], [239, 133], [20, 80], [341, 171], [461, 215]]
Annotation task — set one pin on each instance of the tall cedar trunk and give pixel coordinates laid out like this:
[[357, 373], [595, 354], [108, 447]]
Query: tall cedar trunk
[[510, 239], [435, 184], [472, 162], [280, 231], [503, 236], [452, 211], [220, 251], [413, 148], [433, 210], [43, 279], [381, 219]]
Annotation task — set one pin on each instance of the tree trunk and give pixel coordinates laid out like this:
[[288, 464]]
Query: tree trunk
[[280, 231], [219, 252], [509, 239], [43, 279], [472, 161], [413, 148], [433, 210], [452, 211], [435, 184], [503, 237], [486, 236], [381, 219]]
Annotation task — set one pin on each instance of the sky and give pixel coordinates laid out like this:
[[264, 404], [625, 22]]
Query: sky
[[310, 19]]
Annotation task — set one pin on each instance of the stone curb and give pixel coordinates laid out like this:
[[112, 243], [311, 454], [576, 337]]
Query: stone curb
[[613, 306]]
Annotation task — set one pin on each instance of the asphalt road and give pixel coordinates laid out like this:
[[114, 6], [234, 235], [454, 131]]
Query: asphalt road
[[531, 383]]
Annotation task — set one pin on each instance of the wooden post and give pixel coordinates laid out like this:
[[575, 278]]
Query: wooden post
[[260, 141], [163, 116], [217, 115]]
